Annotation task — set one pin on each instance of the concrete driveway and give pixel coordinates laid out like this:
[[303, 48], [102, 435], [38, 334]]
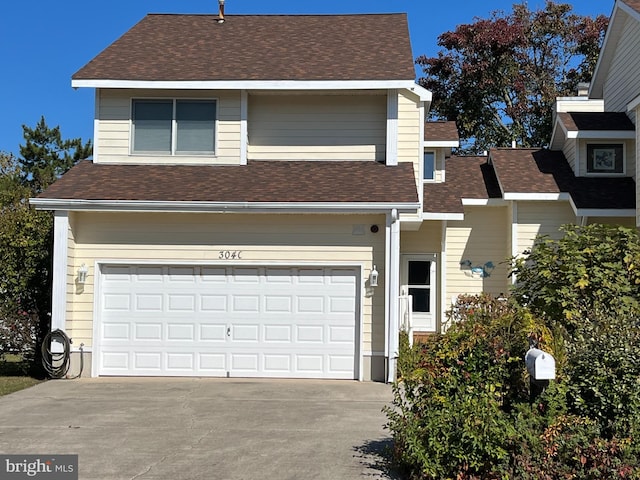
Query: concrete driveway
[[125, 428]]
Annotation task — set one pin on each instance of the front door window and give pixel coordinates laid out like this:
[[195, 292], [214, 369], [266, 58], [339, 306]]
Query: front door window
[[419, 281]]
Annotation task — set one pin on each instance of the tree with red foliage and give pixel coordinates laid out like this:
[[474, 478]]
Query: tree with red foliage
[[499, 77]]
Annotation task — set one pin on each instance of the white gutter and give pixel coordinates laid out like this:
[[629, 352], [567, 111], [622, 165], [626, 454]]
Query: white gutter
[[536, 196], [246, 207], [424, 94]]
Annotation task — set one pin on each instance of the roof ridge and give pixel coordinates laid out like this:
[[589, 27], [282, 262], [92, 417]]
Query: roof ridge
[[227, 15]]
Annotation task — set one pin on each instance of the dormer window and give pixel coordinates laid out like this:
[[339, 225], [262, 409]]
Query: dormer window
[[429, 166], [605, 158], [173, 127]]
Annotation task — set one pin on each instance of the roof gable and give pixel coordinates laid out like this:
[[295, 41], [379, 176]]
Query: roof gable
[[258, 47], [622, 11]]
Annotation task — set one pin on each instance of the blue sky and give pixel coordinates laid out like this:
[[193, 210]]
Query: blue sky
[[43, 42]]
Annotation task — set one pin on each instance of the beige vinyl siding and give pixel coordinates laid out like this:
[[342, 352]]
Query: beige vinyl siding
[[194, 238], [317, 127], [410, 130], [623, 82], [428, 239], [483, 236], [541, 218], [629, 155], [113, 136]]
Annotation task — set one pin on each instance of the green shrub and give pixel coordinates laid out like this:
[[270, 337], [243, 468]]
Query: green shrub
[[591, 270], [451, 417], [462, 409]]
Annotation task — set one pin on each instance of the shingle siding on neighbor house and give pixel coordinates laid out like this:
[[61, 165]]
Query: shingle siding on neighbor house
[[622, 84]]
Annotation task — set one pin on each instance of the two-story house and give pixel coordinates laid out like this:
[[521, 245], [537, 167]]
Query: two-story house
[[266, 199], [240, 216]]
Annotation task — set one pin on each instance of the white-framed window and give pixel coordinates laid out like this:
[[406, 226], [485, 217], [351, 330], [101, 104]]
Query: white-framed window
[[418, 273], [429, 165], [605, 158], [173, 126]]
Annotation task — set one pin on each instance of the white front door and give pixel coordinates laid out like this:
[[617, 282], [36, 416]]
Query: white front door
[[228, 321], [419, 281]]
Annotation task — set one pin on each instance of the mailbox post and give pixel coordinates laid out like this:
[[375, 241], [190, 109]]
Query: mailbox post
[[542, 368]]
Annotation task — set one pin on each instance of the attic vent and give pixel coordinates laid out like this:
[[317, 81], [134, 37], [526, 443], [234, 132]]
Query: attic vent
[[221, 11]]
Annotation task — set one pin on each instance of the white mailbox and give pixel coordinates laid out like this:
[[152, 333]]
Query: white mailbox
[[541, 365]]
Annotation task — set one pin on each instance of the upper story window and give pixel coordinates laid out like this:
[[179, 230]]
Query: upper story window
[[174, 127], [605, 158], [429, 166]]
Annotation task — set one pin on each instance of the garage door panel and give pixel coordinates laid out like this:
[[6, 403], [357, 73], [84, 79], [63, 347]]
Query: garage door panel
[[228, 321], [210, 332], [117, 302], [149, 303], [213, 303], [181, 303], [277, 333]]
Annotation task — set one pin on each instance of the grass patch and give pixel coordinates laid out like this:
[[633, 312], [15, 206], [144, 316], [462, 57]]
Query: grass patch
[[15, 374]]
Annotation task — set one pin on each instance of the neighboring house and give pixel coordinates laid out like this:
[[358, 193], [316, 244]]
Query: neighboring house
[[264, 195]]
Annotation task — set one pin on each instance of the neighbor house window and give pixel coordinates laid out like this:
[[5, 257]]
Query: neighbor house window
[[605, 158], [174, 127], [429, 165]]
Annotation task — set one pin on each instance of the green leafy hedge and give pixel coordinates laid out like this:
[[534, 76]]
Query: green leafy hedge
[[462, 409]]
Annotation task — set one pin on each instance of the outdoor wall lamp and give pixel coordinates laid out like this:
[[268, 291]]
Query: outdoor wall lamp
[[82, 274], [373, 277]]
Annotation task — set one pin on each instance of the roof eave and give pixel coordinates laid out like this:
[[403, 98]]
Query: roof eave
[[220, 207], [442, 144], [424, 94], [537, 196], [605, 212], [603, 134]]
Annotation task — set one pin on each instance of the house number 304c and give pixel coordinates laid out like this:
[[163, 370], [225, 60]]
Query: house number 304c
[[230, 255]]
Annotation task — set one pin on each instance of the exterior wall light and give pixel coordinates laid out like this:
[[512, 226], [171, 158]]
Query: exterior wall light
[[373, 277], [82, 274]]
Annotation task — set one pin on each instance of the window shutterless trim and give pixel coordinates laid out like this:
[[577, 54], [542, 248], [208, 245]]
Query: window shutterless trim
[[174, 130]]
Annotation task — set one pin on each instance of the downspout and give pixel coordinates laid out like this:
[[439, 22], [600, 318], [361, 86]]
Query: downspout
[[392, 276]]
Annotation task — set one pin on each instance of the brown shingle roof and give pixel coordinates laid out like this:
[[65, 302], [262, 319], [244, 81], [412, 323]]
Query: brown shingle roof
[[467, 177], [264, 181], [441, 131], [547, 171], [605, 121], [258, 47]]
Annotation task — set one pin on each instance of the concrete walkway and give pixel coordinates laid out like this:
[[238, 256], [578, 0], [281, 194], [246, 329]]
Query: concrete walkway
[[147, 429]]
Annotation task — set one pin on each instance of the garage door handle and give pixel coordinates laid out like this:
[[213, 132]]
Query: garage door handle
[[228, 331]]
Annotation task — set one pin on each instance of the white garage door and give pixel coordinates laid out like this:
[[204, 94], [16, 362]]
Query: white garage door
[[227, 321]]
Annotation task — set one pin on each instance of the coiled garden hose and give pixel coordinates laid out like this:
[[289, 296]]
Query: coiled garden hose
[[57, 364]]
